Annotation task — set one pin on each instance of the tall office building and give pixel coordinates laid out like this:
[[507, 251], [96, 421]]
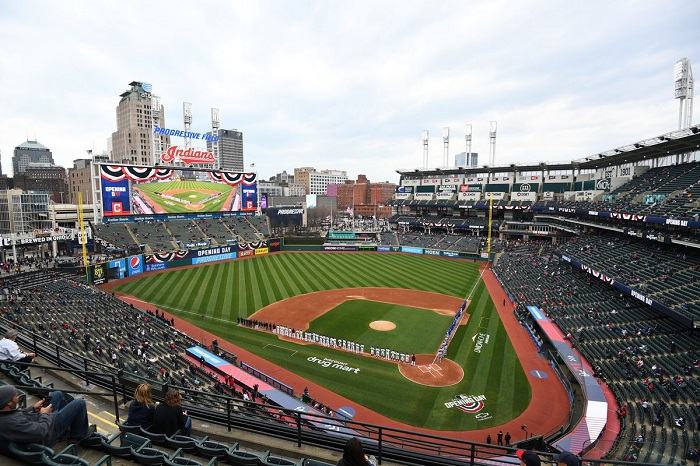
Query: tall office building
[[229, 150], [133, 141], [465, 160], [316, 182], [30, 153]]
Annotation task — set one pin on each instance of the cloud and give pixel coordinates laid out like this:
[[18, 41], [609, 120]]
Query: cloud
[[349, 86]]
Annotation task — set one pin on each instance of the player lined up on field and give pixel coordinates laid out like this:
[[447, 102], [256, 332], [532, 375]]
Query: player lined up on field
[[345, 345]]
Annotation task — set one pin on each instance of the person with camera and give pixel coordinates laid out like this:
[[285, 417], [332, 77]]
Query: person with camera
[[47, 421]]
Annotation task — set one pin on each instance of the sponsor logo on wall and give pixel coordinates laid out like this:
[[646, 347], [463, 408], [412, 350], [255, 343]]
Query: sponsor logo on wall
[[135, 264]]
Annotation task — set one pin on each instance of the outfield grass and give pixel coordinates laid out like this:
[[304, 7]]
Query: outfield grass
[[417, 330], [239, 288], [214, 205], [212, 296]]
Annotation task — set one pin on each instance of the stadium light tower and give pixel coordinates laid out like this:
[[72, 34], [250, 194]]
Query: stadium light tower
[[683, 84], [425, 148], [187, 120], [468, 140], [492, 138], [445, 147], [156, 113], [215, 125]]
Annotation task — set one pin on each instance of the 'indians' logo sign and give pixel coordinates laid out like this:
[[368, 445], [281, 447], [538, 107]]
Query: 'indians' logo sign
[[470, 404], [187, 156]]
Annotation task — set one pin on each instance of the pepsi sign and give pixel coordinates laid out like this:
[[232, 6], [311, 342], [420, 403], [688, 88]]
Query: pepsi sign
[[135, 264]]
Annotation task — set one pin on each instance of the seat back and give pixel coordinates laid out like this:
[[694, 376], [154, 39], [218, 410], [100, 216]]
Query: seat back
[[29, 453], [150, 456], [160, 439], [63, 459]]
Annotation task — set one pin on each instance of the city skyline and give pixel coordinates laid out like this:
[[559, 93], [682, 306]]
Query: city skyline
[[336, 87]]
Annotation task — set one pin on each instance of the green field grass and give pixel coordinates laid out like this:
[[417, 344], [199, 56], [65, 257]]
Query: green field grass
[[213, 296], [194, 188], [417, 330]]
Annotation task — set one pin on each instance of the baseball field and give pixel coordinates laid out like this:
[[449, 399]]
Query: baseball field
[[348, 296], [175, 197]]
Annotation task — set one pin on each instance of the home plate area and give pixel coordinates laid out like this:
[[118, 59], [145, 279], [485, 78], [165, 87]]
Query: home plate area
[[433, 374]]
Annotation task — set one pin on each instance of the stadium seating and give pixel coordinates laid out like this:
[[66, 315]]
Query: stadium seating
[[172, 235], [664, 272], [614, 333]]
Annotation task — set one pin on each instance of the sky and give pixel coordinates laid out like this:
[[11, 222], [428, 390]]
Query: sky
[[350, 85]]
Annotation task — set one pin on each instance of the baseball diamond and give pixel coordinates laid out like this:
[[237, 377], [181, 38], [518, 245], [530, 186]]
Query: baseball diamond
[[340, 295]]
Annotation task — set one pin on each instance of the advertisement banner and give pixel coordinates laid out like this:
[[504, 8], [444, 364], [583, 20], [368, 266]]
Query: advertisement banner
[[98, 274], [261, 251], [367, 248], [339, 248], [450, 253], [411, 250], [117, 268], [431, 252], [470, 188], [469, 196], [275, 244], [135, 264], [129, 190], [521, 196], [384, 248], [246, 253], [157, 266], [226, 253]]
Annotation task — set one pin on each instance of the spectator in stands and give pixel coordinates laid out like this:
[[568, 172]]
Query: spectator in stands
[[9, 349], [528, 458], [142, 407], [566, 458], [169, 417], [354, 454], [46, 421]]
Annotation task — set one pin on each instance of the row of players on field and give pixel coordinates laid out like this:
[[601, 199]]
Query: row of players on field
[[345, 345]]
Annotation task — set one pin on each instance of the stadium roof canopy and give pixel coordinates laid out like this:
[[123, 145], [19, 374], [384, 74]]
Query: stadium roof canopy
[[673, 143]]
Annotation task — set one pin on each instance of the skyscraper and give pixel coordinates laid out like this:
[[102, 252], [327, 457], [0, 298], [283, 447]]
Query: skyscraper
[[133, 141], [229, 149], [30, 153]]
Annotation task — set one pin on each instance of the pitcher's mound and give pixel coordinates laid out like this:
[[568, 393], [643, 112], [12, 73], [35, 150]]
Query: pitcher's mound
[[440, 374], [382, 325]]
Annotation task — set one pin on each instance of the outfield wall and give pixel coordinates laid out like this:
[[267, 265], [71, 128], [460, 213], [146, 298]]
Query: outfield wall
[[137, 264]]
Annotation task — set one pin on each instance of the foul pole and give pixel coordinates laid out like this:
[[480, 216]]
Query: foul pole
[[488, 241], [83, 236]]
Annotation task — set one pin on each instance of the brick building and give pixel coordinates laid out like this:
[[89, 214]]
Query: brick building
[[366, 198]]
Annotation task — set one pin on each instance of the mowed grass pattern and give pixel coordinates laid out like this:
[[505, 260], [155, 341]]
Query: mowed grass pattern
[[212, 296], [239, 288]]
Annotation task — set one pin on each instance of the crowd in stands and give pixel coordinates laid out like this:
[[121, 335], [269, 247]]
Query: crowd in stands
[[650, 362]]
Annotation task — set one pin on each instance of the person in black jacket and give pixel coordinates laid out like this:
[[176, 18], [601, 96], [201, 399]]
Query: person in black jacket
[[169, 416], [142, 407], [354, 454]]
